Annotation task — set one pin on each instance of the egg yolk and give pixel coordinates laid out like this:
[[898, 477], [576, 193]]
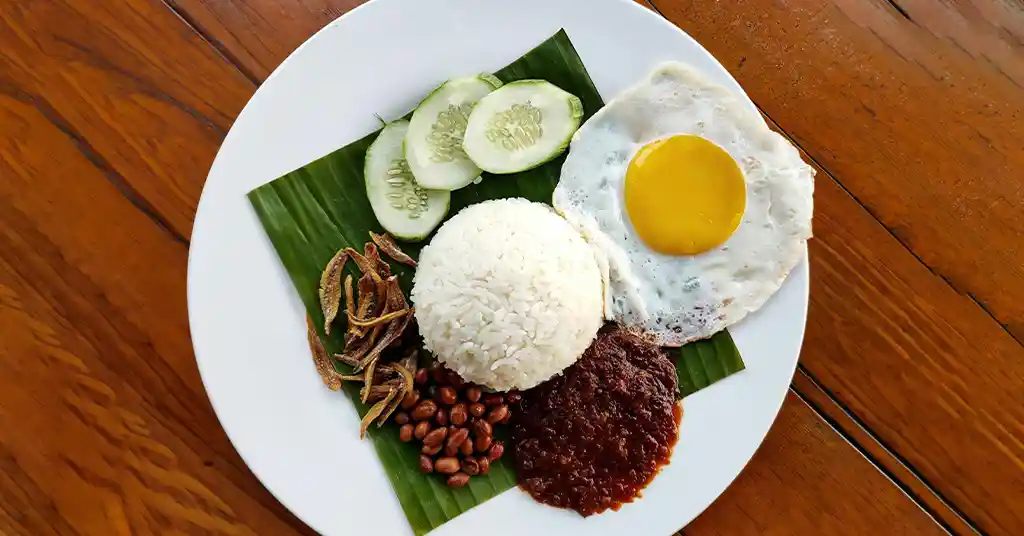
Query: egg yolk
[[684, 195]]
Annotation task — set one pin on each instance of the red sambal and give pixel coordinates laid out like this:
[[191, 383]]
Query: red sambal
[[595, 436]]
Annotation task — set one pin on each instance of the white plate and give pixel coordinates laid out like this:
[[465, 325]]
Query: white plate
[[248, 324]]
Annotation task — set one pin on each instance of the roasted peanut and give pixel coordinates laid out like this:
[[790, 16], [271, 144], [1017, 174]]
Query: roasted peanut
[[424, 410], [473, 394], [438, 373], [447, 465], [448, 395], [405, 433], [494, 400], [451, 450], [457, 436], [455, 380], [421, 377], [470, 466], [426, 464], [431, 451], [477, 409], [435, 437], [458, 480], [482, 443], [466, 448], [441, 417], [497, 449], [410, 400], [421, 430], [498, 414], [485, 465], [401, 418], [458, 415], [482, 428], [513, 397]]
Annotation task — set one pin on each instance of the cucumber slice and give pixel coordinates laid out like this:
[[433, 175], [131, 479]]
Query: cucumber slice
[[405, 209], [433, 145], [521, 126]]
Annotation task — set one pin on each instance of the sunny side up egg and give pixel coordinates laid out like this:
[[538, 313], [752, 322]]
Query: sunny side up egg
[[696, 210]]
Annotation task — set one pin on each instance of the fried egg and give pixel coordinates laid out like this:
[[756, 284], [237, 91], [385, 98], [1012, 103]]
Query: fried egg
[[695, 209]]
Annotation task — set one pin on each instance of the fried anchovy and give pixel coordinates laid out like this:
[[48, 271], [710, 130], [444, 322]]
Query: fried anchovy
[[411, 360], [368, 382], [375, 412], [321, 358], [387, 244], [350, 301], [382, 297], [367, 266], [366, 287], [330, 288], [372, 254], [347, 359], [377, 321], [395, 296], [394, 331], [406, 386], [378, 392], [356, 355]]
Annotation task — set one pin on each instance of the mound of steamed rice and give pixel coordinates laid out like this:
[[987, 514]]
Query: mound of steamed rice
[[507, 294]]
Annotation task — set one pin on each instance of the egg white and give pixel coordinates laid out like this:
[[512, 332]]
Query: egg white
[[683, 298]]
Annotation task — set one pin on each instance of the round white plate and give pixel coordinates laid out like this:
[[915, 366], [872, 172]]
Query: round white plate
[[248, 324]]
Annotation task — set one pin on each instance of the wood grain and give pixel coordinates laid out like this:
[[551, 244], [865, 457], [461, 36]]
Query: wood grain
[[922, 366], [802, 460], [258, 36], [115, 435], [113, 440], [864, 341], [107, 428], [101, 71], [918, 108], [824, 404]]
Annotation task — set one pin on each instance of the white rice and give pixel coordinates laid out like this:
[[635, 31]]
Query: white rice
[[507, 294]]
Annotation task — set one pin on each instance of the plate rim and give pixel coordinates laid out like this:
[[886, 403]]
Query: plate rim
[[803, 265]]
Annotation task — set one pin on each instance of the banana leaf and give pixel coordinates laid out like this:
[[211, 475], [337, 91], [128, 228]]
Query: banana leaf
[[312, 212], [702, 363]]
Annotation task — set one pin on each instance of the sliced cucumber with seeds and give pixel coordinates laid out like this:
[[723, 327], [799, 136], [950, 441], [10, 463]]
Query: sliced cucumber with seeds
[[433, 145], [405, 209], [521, 125]]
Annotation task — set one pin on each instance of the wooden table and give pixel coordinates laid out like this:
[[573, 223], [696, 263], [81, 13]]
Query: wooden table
[[906, 415]]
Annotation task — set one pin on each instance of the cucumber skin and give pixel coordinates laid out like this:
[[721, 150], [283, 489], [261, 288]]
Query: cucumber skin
[[575, 112], [488, 79], [420, 237], [405, 237]]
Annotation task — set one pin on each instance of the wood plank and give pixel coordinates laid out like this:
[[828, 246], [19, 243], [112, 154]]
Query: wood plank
[[923, 367], [918, 364], [917, 106], [806, 479], [109, 429], [258, 36], [114, 434], [847, 424], [85, 312], [851, 348], [147, 99], [101, 449]]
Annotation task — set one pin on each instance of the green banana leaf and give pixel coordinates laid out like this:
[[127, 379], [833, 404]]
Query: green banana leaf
[[312, 212], [702, 363]]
